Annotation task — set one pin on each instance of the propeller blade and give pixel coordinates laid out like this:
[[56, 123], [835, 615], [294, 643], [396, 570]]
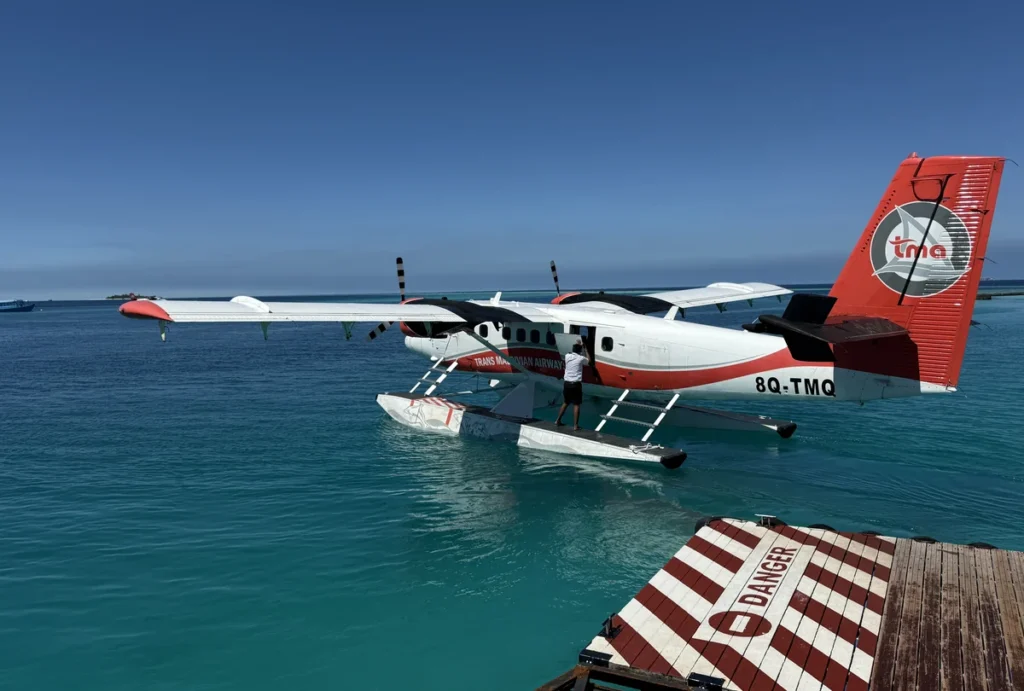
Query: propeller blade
[[383, 326], [378, 330], [554, 275], [401, 278]]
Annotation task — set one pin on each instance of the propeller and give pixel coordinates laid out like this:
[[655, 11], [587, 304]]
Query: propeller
[[383, 326], [554, 275]]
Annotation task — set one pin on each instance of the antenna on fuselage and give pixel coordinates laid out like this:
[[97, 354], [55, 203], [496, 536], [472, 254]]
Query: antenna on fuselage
[[383, 326], [554, 275]]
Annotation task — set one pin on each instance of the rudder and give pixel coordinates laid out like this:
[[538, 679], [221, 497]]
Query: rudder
[[919, 261]]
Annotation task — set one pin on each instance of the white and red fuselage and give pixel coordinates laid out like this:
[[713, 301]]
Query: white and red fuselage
[[655, 358], [894, 324]]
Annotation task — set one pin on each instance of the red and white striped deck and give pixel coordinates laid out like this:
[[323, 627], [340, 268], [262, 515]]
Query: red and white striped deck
[[763, 608], [790, 609]]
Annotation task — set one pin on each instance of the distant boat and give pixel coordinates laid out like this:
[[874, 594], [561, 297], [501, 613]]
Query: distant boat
[[133, 296], [16, 306]]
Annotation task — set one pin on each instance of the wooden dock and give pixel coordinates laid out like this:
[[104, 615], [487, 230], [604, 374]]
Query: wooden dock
[[762, 606]]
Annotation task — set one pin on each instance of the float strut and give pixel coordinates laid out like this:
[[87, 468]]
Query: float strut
[[264, 326]]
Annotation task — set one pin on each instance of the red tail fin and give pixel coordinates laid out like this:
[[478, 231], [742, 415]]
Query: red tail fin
[[919, 261]]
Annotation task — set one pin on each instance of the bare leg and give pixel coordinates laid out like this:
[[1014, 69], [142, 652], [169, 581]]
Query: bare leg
[[576, 417], [558, 420]]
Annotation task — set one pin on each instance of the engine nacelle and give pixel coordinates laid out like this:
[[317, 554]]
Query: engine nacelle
[[427, 329], [559, 299]]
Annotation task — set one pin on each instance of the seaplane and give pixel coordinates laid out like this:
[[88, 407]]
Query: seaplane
[[894, 324]]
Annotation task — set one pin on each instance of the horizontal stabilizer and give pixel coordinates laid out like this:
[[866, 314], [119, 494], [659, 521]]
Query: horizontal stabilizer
[[845, 331], [810, 334], [812, 342]]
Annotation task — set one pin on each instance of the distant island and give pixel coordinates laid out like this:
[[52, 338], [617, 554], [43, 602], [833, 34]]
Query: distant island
[[133, 296]]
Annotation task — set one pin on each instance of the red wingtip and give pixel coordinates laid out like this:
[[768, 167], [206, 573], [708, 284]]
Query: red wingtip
[[144, 309]]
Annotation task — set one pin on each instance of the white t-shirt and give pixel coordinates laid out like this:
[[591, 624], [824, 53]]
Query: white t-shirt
[[574, 366]]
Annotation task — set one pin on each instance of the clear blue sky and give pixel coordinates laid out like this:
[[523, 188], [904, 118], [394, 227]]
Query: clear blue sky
[[193, 148]]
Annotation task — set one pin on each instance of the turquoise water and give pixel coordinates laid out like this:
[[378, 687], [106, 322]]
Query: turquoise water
[[220, 512]]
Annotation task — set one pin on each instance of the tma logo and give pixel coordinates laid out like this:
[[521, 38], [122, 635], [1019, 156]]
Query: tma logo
[[899, 241]]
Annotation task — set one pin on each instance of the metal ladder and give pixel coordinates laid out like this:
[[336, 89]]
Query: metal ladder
[[651, 426], [434, 382]]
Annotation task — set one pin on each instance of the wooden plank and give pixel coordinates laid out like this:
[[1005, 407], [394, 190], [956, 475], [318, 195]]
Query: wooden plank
[[849, 670], [951, 669], [991, 624], [837, 667], [636, 679], [800, 648], [888, 635], [1016, 560], [868, 627], [905, 677], [1011, 610], [930, 647], [563, 681], [810, 628], [747, 676], [973, 650]]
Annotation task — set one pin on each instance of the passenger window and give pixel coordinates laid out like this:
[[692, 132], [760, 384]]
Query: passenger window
[[506, 332], [606, 344], [520, 335], [550, 338], [483, 330], [534, 336]]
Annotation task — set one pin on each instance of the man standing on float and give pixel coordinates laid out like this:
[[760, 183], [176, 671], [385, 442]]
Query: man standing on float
[[572, 387]]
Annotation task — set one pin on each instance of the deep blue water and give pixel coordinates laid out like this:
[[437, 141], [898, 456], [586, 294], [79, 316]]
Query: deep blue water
[[220, 512]]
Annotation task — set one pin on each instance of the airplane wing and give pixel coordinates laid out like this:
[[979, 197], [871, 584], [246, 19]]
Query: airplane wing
[[719, 293], [650, 303], [248, 309]]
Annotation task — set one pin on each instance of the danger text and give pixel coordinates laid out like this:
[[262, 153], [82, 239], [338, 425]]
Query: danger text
[[762, 585]]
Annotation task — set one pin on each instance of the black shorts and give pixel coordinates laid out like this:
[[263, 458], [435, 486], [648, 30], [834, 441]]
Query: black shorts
[[573, 392]]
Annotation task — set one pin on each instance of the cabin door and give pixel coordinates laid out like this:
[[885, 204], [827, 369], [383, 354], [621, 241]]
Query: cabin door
[[588, 334]]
